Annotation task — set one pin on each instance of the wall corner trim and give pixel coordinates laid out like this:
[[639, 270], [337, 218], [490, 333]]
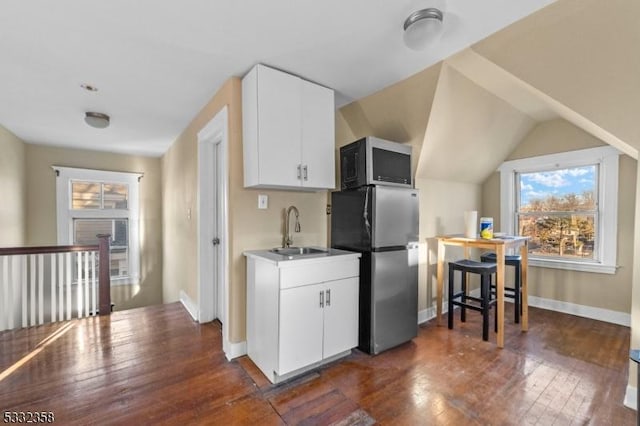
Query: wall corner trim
[[235, 350], [189, 305], [631, 398], [430, 313]]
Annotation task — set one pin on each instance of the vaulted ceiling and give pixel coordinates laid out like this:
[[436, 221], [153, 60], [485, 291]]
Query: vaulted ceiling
[[478, 105]]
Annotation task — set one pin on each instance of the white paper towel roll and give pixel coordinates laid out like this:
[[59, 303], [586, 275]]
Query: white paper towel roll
[[471, 224]]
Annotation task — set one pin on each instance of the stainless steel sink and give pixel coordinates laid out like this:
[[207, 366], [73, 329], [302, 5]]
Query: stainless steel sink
[[296, 251]]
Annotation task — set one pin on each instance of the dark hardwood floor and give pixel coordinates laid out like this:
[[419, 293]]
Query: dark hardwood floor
[[155, 365]]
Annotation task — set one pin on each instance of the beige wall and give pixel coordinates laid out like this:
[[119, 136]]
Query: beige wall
[[249, 228], [399, 113], [12, 183], [179, 198], [595, 73], [604, 291], [635, 294], [41, 208], [470, 131], [441, 213]]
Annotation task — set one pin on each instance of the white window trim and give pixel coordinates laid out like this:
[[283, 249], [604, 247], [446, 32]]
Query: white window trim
[[65, 214], [607, 159]]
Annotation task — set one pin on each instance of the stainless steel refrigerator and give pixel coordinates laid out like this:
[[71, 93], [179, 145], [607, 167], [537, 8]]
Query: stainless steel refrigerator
[[381, 222]]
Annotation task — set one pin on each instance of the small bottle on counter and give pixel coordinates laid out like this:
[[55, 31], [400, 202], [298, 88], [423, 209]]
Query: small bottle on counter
[[486, 228]]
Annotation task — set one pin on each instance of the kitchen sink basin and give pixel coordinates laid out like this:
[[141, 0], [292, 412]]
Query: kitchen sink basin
[[297, 251]]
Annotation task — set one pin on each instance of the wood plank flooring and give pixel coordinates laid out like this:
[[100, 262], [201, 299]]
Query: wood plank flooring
[[155, 365]]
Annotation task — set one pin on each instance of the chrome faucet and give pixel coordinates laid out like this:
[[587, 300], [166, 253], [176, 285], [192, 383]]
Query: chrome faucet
[[286, 238]]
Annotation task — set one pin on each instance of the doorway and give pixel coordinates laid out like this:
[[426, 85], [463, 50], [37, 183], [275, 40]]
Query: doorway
[[213, 242]]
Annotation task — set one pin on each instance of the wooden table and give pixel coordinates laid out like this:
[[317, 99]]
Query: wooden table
[[499, 245]]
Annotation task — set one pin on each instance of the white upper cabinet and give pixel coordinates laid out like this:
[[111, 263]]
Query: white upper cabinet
[[288, 131], [318, 136]]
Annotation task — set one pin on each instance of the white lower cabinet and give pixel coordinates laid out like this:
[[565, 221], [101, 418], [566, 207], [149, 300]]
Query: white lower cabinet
[[300, 316], [316, 322]]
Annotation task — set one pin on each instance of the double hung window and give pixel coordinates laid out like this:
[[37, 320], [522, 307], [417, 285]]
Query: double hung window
[[567, 204], [92, 202]]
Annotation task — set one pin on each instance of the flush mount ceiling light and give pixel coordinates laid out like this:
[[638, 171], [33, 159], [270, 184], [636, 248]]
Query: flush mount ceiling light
[[422, 28], [96, 119]]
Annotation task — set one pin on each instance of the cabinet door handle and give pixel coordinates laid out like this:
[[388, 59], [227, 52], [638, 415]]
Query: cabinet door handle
[[299, 172], [305, 172], [322, 299], [328, 298]]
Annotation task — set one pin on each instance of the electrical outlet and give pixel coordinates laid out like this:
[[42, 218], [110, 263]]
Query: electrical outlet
[[263, 201], [328, 209]]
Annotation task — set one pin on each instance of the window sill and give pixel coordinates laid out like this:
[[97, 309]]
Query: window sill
[[114, 282], [124, 281], [597, 268]]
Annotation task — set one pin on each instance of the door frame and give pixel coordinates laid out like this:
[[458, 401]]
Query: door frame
[[215, 134]]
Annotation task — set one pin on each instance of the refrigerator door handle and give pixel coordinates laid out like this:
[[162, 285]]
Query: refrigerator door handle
[[365, 214]]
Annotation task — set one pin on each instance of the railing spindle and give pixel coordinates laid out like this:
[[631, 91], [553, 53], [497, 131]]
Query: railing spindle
[[5, 292], [94, 304], [23, 284], [40, 289], [32, 292], [53, 258], [79, 286], [61, 286], [69, 271], [14, 290], [86, 283]]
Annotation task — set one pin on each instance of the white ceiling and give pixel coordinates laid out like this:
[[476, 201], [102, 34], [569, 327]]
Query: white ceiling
[[156, 63]]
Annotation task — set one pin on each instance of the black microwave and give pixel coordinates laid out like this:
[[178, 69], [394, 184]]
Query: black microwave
[[374, 161]]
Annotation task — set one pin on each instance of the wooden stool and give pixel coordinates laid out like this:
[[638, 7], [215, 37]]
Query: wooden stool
[[483, 303], [514, 292]]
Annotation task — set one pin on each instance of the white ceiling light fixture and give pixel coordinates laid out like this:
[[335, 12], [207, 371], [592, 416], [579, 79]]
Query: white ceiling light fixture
[[423, 28], [97, 119]]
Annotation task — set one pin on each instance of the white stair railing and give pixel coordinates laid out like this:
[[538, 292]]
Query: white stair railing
[[50, 284]]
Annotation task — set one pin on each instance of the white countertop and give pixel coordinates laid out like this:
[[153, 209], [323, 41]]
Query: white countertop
[[283, 260]]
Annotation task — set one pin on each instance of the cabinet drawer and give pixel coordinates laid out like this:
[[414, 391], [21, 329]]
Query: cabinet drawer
[[314, 273]]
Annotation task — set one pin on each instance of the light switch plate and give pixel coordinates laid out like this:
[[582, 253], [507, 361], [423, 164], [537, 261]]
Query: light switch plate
[[263, 201]]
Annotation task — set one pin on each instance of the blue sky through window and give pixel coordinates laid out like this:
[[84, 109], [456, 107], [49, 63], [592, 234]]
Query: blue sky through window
[[558, 183]]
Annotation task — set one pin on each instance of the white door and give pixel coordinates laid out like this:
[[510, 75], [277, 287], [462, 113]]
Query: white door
[[216, 225], [300, 342], [213, 273], [340, 316], [210, 222]]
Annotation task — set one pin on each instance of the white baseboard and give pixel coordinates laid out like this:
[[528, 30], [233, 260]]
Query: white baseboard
[[430, 313], [631, 398], [231, 350], [606, 315], [189, 305], [234, 350], [426, 314]]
